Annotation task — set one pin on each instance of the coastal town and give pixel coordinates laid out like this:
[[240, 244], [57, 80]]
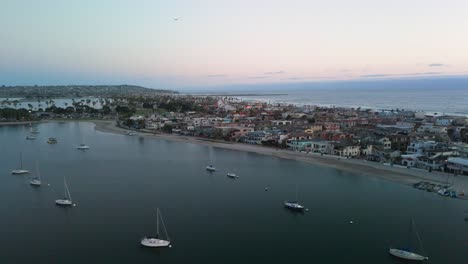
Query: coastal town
[[395, 137]]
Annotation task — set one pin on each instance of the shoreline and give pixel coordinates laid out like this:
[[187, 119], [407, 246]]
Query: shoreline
[[396, 174]]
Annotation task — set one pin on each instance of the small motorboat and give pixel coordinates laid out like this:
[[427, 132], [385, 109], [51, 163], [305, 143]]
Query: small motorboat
[[231, 175], [210, 168], [400, 253], [52, 141], [293, 205], [30, 137], [130, 133]]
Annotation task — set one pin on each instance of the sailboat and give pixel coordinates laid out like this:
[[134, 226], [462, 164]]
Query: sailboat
[[20, 170], [83, 147], [156, 242], [67, 200], [294, 205], [210, 168], [232, 175], [406, 253], [33, 130], [36, 181]]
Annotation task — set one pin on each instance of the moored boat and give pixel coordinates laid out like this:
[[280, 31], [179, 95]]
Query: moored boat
[[67, 200], [36, 181], [210, 168], [20, 170], [293, 205], [231, 175], [155, 242], [400, 253], [52, 141], [82, 147], [406, 253]]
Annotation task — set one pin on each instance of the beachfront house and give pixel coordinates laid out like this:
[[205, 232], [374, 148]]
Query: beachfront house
[[300, 145], [346, 149], [320, 146], [458, 165], [255, 137]]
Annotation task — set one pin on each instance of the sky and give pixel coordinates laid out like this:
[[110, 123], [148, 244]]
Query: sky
[[206, 43]]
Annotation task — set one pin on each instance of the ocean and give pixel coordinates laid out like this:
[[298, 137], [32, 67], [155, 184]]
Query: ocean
[[439, 96]]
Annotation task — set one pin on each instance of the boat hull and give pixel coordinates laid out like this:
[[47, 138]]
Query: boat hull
[[35, 183], [399, 253], [83, 148], [19, 172], [294, 206], [63, 202], [154, 242], [232, 175]]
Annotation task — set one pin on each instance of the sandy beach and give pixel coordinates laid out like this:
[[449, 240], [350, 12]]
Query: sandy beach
[[392, 173]]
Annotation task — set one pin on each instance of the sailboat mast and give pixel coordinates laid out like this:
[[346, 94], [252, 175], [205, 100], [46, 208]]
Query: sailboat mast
[[37, 172], [165, 230], [296, 192], [157, 222]]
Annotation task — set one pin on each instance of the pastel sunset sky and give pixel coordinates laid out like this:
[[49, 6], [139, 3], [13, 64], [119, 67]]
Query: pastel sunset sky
[[195, 43]]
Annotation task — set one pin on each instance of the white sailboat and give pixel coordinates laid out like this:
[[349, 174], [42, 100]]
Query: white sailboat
[[36, 181], [294, 205], [210, 168], [33, 130], [83, 147], [67, 200], [232, 175], [155, 241], [20, 170], [406, 253]]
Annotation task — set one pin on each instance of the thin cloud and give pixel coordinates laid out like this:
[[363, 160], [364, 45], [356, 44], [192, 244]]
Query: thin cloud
[[217, 76], [259, 77], [376, 75], [399, 75], [275, 72], [436, 65]]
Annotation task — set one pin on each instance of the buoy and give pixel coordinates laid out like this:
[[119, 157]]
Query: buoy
[[351, 222], [170, 246], [307, 210], [48, 184], [74, 204], [266, 188]]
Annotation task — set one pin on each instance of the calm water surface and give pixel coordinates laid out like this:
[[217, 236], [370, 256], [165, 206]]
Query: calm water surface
[[210, 218]]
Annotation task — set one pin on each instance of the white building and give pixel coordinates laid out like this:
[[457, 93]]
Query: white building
[[458, 165], [418, 147], [430, 128]]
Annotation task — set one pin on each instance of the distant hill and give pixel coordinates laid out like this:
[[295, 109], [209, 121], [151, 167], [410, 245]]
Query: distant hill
[[77, 91]]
